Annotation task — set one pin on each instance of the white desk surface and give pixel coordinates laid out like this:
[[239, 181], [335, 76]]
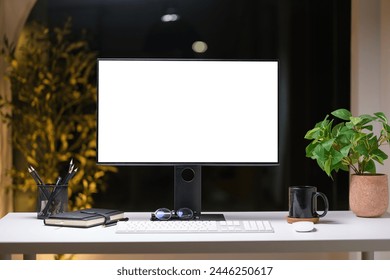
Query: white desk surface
[[339, 231]]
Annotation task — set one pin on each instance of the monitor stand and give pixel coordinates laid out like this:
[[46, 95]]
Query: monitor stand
[[188, 191]]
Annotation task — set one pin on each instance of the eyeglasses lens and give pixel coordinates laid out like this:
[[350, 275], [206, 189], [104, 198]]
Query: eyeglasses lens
[[163, 214], [184, 213]]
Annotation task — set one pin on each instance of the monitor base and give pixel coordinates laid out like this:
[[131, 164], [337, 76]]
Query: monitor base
[[211, 217]]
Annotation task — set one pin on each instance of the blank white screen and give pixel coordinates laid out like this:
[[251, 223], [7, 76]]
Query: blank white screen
[[187, 112]]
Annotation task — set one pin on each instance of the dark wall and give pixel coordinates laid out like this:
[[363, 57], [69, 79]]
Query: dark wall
[[311, 40]]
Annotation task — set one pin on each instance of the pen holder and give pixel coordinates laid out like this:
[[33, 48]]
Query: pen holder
[[52, 199]]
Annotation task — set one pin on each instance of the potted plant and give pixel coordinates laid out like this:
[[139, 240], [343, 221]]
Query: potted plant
[[351, 144]]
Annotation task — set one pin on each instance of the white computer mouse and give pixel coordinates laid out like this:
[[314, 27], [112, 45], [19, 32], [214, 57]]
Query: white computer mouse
[[303, 226]]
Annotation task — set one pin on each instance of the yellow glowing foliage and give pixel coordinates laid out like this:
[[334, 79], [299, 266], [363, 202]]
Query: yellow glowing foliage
[[52, 81]]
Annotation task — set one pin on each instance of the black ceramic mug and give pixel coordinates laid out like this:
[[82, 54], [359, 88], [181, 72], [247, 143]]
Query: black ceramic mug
[[303, 202]]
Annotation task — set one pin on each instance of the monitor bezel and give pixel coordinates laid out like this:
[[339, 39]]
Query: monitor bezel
[[186, 163]]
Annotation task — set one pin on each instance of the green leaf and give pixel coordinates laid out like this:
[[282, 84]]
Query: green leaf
[[357, 137], [319, 153], [379, 155], [346, 136], [328, 144], [381, 116], [345, 150], [367, 118], [312, 134], [343, 114], [336, 157], [386, 127], [309, 149], [356, 120], [369, 167], [327, 166], [372, 142], [362, 149], [368, 127], [337, 129]]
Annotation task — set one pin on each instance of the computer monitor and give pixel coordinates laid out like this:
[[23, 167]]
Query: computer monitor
[[187, 114]]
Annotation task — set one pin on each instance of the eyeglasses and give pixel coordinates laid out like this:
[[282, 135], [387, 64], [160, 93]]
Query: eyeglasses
[[164, 214]]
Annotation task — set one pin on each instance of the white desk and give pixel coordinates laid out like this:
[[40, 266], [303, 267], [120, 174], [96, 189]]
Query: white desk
[[339, 231]]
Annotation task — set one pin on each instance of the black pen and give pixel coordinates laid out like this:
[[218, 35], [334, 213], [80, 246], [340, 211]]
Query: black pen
[[69, 176], [70, 170], [66, 179], [71, 166], [72, 175], [58, 180], [37, 175], [38, 181], [34, 176]]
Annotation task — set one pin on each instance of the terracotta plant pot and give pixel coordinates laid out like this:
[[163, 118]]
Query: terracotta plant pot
[[369, 195]]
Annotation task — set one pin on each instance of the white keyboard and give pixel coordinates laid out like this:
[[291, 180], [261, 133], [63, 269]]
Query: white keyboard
[[237, 226]]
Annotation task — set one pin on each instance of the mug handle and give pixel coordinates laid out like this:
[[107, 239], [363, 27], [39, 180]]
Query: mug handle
[[317, 194]]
